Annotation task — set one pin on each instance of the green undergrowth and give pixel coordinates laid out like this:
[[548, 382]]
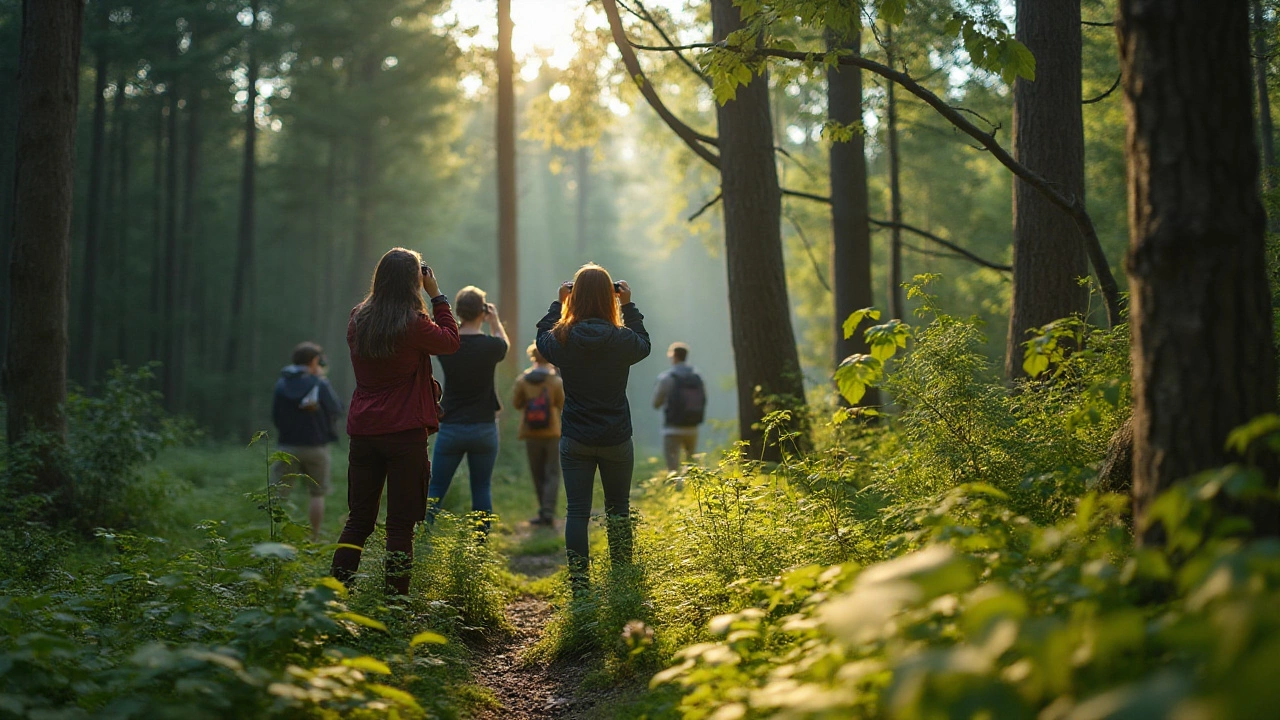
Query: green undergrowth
[[951, 560]]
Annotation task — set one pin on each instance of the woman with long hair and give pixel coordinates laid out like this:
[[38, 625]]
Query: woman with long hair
[[593, 333], [469, 427], [394, 409]]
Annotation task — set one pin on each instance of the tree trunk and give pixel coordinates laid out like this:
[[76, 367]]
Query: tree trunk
[[1203, 359], [764, 347], [87, 330], [188, 250], [508, 267], [243, 273], [118, 212], [850, 231], [582, 171], [171, 260], [35, 370], [1048, 137], [1260, 59], [157, 235], [897, 297]]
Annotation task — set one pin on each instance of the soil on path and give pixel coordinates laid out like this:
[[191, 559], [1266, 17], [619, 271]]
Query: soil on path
[[528, 689]]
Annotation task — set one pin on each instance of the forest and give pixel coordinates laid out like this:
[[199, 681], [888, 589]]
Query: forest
[[980, 297]]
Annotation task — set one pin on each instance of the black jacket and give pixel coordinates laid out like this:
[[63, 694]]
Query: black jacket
[[304, 426], [595, 361]]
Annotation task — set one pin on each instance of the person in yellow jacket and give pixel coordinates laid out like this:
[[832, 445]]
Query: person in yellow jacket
[[539, 395]]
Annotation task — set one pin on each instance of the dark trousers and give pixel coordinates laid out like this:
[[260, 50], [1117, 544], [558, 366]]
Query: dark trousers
[[544, 466], [579, 463], [400, 462]]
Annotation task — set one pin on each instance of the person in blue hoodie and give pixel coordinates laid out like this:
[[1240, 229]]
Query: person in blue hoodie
[[593, 333], [304, 409]]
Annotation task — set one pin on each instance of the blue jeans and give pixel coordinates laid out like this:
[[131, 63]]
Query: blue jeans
[[479, 443], [578, 464]]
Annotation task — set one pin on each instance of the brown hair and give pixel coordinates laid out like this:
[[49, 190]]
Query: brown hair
[[393, 303], [305, 352], [592, 297], [470, 303]]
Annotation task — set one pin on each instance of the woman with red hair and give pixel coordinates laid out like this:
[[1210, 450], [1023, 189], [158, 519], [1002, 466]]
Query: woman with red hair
[[593, 333]]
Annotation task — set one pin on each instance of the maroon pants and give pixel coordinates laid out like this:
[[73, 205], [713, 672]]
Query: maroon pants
[[400, 461]]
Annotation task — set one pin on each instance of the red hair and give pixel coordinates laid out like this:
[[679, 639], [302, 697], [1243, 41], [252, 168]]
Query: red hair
[[592, 297]]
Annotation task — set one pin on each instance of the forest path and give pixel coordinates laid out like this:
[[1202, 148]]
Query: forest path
[[528, 688]]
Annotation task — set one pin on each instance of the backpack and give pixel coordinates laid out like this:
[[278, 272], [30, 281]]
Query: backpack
[[537, 411], [687, 401]]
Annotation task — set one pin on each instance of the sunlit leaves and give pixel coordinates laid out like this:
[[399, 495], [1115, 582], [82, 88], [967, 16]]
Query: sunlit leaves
[[428, 637], [851, 323], [857, 373]]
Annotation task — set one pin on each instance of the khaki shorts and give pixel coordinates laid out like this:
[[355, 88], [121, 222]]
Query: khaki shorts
[[313, 461]]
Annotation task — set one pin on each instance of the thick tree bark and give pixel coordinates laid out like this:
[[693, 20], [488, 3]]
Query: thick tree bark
[[508, 268], [850, 229], [1203, 359], [35, 371], [87, 327], [242, 281], [897, 296], [1266, 130], [764, 346], [172, 261], [1048, 137]]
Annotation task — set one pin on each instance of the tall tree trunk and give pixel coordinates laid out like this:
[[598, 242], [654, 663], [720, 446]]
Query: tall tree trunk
[[764, 347], [171, 260], [1266, 131], [242, 278], [87, 330], [122, 239], [850, 231], [157, 235], [113, 220], [1048, 137], [508, 267], [35, 370], [189, 247], [1203, 359], [897, 296], [582, 171]]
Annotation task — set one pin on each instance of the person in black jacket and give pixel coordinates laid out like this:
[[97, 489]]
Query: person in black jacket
[[303, 410], [593, 333]]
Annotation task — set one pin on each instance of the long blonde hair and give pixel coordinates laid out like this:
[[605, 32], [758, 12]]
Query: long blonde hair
[[592, 297], [394, 301]]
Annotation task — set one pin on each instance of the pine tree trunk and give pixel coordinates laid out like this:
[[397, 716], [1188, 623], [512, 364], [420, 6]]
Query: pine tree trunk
[[189, 247], [114, 221], [124, 220], [35, 380], [508, 267], [243, 274], [1203, 359], [87, 330], [1266, 130], [171, 259], [850, 231], [157, 236], [1048, 137], [897, 296], [764, 345]]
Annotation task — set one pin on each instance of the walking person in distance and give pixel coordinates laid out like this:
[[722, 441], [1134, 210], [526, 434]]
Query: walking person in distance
[[682, 397], [593, 333], [539, 395], [469, 427], [394, 409], [303, 410]]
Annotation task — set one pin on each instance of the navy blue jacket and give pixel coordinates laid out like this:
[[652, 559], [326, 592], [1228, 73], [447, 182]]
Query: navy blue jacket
[[304, 426], [595, 361]]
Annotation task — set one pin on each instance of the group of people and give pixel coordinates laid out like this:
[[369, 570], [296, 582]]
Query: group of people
[[575, 419]]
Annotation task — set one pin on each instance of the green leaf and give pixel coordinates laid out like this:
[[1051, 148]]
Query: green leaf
[[395, 695], [852, 322], [428, 637], [1240, 439], [282, 456], [276, 550], [893, 12], [359, 619], [367, 664], [855, 374], [257, 436]]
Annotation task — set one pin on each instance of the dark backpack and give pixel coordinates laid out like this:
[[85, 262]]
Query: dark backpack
[[687, 401], [537, 411]]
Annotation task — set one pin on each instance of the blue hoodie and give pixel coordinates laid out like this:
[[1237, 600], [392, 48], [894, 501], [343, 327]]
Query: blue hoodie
[[301, 420], [595, 361]]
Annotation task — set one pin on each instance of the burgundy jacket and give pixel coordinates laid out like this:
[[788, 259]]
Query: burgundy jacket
[[399, 393]]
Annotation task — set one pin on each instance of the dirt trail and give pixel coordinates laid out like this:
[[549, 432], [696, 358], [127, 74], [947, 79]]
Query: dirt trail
[[528, 689]]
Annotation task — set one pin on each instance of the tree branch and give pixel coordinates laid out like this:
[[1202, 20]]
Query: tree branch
[[1104, 95], [806, 196], [649, 18], [691, 137], [817, 269], [705, 207], [1073, 206], [943, 242]]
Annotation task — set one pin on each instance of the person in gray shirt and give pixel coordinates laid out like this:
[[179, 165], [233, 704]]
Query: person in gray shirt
[[682, 397]]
